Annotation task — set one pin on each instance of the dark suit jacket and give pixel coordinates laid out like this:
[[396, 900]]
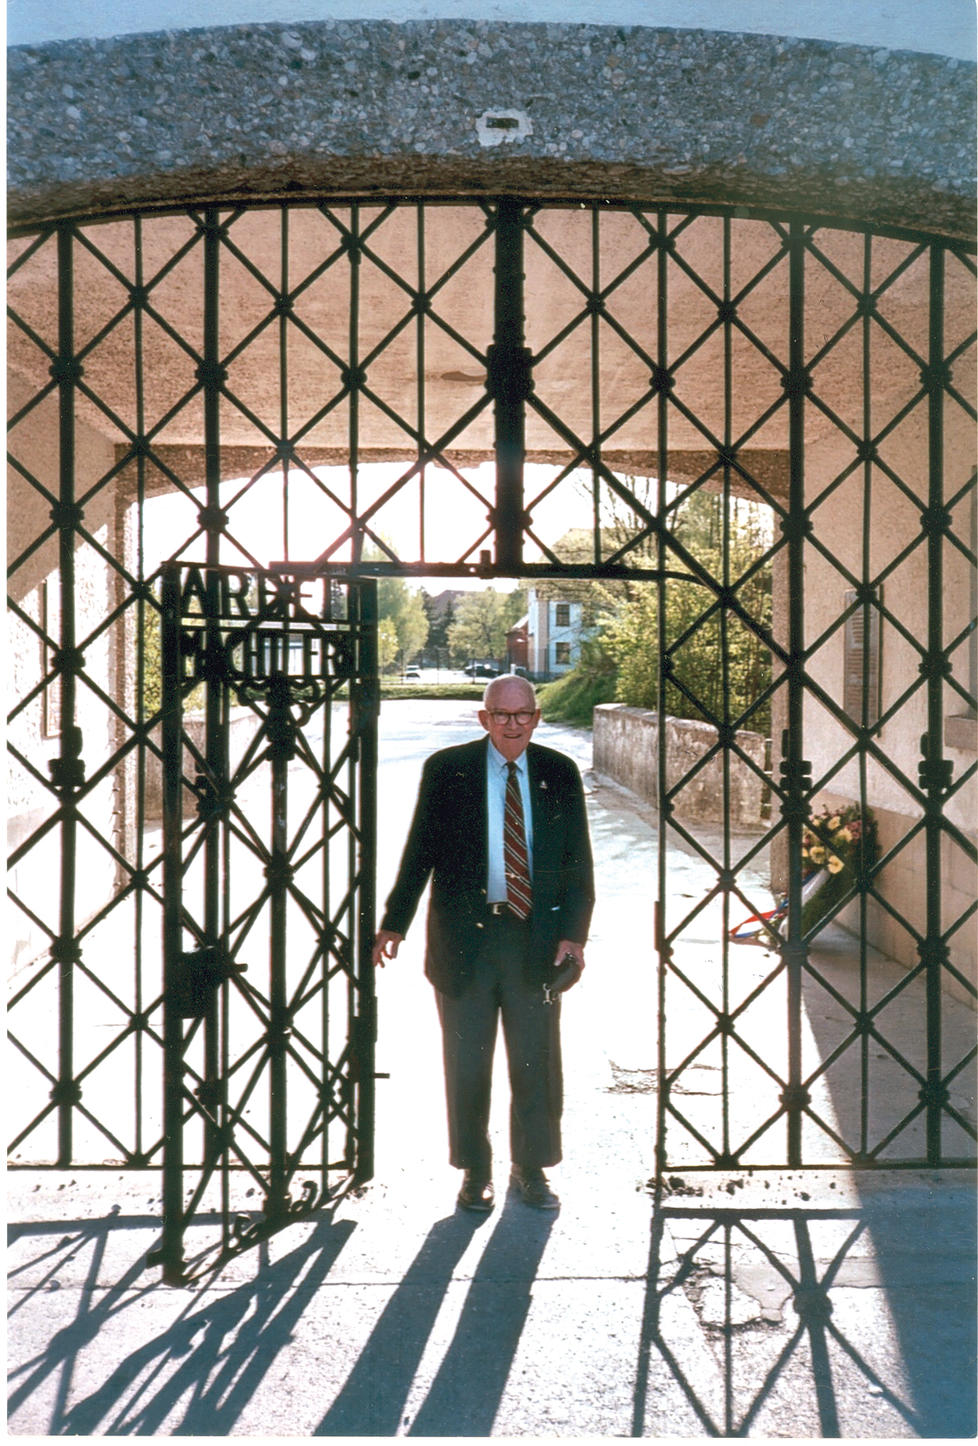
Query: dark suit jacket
[[448, 840]]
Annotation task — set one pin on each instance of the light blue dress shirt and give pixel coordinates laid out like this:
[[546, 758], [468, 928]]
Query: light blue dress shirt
[[496, 776]]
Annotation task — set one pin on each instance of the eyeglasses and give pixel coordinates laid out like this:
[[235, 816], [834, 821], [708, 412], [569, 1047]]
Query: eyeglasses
[[522, 718]]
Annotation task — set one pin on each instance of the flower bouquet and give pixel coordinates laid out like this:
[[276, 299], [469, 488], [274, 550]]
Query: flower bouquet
[[837, 845]]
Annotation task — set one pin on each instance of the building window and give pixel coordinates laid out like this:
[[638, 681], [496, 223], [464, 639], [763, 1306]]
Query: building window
[[861, 677], [561, 653], [51, 629], [961, 728], [561, 615]]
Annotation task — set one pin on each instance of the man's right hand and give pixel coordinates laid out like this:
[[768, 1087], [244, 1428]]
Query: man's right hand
[[385, 946]]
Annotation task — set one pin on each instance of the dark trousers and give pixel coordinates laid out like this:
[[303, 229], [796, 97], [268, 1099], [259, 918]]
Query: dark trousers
[[531, 1030]]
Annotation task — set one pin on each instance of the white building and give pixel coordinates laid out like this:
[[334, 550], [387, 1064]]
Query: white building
[[553, 635]]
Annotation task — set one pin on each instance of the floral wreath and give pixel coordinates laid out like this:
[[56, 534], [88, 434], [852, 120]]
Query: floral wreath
[[833, 844], [837, 839]]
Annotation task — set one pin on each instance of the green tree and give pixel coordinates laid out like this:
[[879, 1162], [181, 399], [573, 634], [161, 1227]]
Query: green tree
[[152, 645], [386, 644], [439, 621], [482, 620], [716, 664], [402, 607], [152, 650]]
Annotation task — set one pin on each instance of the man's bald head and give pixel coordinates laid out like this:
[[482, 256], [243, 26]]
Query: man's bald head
[[520, 690]]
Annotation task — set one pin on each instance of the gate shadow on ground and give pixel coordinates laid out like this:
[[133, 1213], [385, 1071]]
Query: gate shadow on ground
[[214, 1356], [787, 1341], [874, 1075], [465, 1394], [917, 1238], [198, 1374]]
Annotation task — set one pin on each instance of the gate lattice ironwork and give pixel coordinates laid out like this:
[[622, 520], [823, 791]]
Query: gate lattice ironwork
[[507, 388], [268, 1063]]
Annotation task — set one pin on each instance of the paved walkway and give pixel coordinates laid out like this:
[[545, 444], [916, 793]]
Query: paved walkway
[[786, 1304]]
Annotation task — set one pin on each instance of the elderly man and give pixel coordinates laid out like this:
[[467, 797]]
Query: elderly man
[[500, 827]]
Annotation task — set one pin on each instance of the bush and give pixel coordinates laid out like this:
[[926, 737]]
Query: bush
[[573, 698], [469, 692]]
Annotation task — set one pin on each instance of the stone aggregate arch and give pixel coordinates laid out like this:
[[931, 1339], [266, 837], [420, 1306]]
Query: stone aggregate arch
[[466, 108]]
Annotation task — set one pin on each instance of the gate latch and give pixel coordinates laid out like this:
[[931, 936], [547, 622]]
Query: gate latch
[[200, 974]]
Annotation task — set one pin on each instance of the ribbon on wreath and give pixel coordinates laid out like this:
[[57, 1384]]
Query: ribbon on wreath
[[766, 923]]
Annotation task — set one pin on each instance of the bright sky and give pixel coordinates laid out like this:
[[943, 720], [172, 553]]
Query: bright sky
[[946, 27], [454, 518]]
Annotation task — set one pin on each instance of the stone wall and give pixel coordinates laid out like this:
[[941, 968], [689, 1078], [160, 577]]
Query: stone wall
[[626, 749]]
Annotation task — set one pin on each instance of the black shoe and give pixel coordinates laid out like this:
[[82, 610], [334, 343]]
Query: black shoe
[[476, 1193], [534, 1189]]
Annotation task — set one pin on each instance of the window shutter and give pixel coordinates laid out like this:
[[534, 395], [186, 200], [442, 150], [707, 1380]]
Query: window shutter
[[861, 679]]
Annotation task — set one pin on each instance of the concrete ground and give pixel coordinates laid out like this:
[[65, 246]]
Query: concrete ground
[[770, 1304]]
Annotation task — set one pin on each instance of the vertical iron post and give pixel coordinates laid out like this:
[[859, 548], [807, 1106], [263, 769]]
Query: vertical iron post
[[935, 770], [365, 707], [662, 946], [284, 325], [170, 1253], [509, 381], [866, 573], [67, 770], [281, 750], [728, 734], [796, 771], [212, 376], [354, 376], [135, 824], [421, 364], [326, 886], [596, 305]]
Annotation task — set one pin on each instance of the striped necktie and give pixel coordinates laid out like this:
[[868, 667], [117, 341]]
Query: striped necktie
[[515, 856]]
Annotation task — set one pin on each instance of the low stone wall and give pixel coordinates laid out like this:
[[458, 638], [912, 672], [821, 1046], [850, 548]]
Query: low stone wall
[[626, 749]]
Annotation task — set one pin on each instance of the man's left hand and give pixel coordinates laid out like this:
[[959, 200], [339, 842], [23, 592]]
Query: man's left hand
[[568, 946]]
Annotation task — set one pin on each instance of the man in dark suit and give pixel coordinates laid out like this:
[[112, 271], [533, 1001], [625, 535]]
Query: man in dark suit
[[500, 827]]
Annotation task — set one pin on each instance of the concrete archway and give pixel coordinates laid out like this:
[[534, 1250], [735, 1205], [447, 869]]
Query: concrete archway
[[458, 107]]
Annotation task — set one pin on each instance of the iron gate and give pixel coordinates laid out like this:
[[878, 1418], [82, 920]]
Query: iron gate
[[268, 1063], [332, 383]]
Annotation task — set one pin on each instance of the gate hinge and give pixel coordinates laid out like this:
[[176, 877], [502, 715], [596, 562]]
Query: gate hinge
[[363, 1036], [68, 771], [509, 373], [200, 974]]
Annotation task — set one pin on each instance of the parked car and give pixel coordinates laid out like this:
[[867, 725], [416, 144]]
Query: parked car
[[481, 670], [411, 675]]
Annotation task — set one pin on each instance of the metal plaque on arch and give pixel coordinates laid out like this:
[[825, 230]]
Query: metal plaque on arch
[[269, 686]]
